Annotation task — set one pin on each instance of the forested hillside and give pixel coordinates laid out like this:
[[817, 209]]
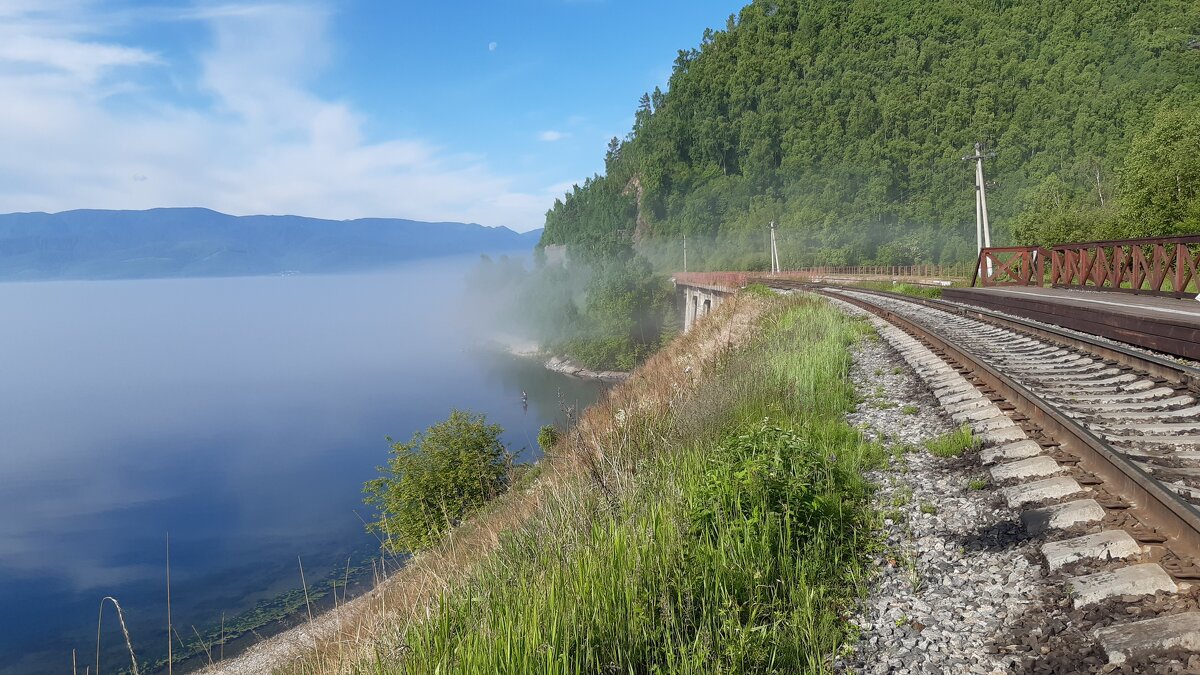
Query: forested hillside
[[847, 122]]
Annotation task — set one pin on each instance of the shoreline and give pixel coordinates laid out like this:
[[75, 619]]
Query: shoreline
[[565, 366], [559, 364], [294, 636]]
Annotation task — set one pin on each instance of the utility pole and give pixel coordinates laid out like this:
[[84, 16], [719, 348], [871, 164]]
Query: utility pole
[[774, 251], [685, 253], [983, 231]]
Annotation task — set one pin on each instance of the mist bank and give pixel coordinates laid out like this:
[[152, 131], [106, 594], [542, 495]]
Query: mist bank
[[604, 312], [194, 242], [240, 414]]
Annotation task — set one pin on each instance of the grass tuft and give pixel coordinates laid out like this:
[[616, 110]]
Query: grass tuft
[[953, 444]]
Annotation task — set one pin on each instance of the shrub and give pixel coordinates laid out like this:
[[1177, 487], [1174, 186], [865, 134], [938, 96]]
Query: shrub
[[436, 479], [547, 437]]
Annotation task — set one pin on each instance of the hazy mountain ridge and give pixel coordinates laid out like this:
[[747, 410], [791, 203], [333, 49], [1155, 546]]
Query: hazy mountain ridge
[[179, 242]]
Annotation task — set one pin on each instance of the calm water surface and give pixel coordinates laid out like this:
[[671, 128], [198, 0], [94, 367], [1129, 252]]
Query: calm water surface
[[241, 415]]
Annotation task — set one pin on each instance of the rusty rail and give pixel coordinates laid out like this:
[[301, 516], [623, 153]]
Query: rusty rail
[[1162, 509], [729, 280], [1167, 266], [735, 280]]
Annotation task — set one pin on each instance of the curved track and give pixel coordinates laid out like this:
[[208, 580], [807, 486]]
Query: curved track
[[1129, 419]]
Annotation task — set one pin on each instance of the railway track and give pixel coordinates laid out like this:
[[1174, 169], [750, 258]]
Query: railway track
[[1096, 445]]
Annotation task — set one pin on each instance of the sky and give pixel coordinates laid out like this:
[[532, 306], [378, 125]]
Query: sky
[[479, 111]]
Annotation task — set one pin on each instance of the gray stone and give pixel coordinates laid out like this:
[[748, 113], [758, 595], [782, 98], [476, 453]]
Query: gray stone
[[1017, 450], [1144, 579], [1033, 467], [1061, 516], [1002, 436], [1114, 544], [985, 413], [1050, 488], [1142, 638]]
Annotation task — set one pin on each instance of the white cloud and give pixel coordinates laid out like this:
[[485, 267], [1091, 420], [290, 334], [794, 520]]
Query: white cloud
[[492, 46], [551, 136], [263, 142]]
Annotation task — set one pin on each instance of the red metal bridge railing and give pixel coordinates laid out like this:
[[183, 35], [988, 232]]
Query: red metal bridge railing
[[1168, 266], [735, 280], [1011, 266]]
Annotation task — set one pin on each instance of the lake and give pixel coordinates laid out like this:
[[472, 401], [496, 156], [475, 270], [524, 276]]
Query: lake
[[241, 415]]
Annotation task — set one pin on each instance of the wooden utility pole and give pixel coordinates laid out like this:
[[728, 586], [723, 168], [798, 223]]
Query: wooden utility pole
[[685, 253]]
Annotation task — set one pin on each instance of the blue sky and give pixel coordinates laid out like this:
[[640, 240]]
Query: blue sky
[[479, 111]]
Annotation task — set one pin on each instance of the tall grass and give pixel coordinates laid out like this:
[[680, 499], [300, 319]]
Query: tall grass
[[724, 532]]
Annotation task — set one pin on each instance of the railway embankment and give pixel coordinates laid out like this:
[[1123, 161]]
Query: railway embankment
[[801, 485], [710, 514]]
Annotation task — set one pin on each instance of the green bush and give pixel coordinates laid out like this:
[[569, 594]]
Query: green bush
[[547, 437], [436, 479]]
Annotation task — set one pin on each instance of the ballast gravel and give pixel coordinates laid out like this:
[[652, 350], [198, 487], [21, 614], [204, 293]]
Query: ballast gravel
[[956, 567], [960, 585]]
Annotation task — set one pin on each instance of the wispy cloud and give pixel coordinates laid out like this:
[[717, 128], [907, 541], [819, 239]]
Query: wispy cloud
[[550, 136], [260, 140]]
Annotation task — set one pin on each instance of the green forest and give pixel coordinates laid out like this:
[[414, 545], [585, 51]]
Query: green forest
[[847, 123]]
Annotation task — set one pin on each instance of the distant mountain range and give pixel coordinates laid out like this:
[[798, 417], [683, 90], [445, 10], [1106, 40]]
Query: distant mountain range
[[95, 244]]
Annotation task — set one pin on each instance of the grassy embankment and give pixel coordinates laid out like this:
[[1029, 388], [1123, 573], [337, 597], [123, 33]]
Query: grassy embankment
[[709, 515]]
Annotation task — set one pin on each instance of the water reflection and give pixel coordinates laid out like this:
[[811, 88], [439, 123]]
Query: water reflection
[[241, 415]]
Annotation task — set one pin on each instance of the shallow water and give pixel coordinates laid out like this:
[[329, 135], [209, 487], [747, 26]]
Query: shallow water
[[241, 415]]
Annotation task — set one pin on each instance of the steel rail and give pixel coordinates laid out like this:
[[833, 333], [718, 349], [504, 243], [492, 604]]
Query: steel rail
[[1156, 366], [1157, 506]]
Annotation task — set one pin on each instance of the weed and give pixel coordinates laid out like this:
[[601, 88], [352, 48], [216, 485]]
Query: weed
[[760, 290], [912, 572], [910, 409], [929, 508], [953, 444], [977, 484]]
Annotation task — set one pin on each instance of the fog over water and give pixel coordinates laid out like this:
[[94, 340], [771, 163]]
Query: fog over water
[[240, 414]]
